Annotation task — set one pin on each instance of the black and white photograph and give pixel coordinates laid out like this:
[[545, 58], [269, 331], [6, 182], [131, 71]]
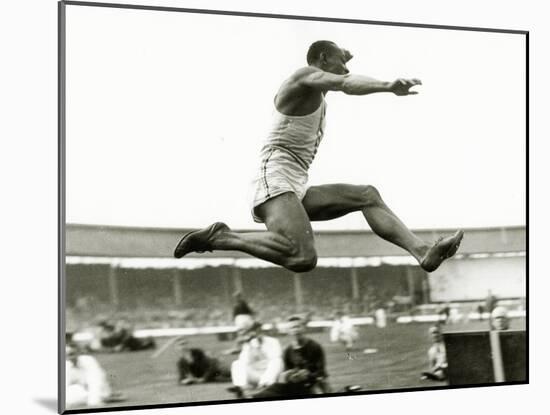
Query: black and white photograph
[[264, 207]]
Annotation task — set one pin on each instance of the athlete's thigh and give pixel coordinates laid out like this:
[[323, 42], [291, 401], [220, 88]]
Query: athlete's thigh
[[332, 201], [285, 214]]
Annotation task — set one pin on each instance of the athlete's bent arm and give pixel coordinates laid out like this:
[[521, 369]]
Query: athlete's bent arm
[[351, 84]]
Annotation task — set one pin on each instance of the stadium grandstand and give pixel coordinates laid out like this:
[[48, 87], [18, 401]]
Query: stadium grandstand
[[123, 272]]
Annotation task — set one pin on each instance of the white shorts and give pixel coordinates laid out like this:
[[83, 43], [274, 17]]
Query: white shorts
[[280, 172]]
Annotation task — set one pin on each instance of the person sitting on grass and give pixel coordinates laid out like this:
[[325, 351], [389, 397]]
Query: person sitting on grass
[[259, 364], [86, 383], [119, 337], [304, 366], [196, 366]]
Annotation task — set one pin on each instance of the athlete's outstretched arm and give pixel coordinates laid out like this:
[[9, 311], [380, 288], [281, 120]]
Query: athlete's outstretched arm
[[357, 84]]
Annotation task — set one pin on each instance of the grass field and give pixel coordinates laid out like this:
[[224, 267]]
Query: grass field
[[397, 364]]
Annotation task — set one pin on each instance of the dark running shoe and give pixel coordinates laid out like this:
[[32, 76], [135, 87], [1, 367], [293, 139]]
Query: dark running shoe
[[199, 241], [443, 248]]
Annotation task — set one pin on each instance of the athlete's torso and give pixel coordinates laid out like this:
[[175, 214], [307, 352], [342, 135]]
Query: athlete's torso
[[298, 135]]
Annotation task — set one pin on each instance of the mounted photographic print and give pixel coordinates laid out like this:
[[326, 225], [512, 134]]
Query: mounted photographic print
[[270, 207]]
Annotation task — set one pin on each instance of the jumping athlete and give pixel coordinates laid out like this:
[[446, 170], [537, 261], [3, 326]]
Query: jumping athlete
[[282, 200]]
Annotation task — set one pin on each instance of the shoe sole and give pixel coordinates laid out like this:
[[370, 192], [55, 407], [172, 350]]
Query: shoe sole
[[453, 248]]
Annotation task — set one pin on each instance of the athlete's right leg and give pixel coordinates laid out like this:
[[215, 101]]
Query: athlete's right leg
[[334, 200], [288, 240]]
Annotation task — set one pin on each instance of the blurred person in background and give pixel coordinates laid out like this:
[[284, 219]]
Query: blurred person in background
[[499, 319], [241, 309], [259, 364], [343, 331], [444, 313], [479, 310], [455, 316], [490, 302], [380, 317], [119, 336], [86, 383], [437, 357], [196, 366], [304, 366], [243, 318]]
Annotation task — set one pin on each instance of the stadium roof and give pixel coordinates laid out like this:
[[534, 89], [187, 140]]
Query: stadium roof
[[133, 242]]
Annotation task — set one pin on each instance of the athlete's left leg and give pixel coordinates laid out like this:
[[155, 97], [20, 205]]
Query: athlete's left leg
[[335, 200]]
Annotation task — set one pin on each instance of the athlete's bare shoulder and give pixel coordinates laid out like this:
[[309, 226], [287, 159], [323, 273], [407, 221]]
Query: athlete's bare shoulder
[[294, 83], [303, 72], [296, 98]]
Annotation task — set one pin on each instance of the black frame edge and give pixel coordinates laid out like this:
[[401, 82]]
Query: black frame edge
[[61, 43], [527, 200], [290, 17]]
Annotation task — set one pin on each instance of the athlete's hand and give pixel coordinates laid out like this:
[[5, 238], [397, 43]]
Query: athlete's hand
[[402, 86]]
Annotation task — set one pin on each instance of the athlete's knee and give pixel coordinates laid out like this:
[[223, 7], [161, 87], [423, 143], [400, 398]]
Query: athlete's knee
[[370, 196], [303, 261]]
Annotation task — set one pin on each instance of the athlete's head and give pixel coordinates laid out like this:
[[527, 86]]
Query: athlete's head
[[499, 318], [252, 332], [329, 57], [296, 326], [435, 333]]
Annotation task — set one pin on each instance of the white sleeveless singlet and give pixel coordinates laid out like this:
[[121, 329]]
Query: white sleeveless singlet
[[287, 154]]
